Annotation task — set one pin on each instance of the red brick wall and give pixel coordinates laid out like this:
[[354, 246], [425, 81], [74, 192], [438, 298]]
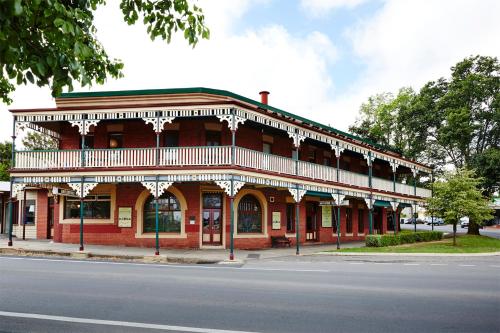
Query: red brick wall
[[41, 214]]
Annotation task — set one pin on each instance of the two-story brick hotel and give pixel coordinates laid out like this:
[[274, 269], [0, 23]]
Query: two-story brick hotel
[[198, 168]]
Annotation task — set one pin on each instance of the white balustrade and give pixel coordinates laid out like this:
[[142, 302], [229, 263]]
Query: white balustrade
[[201, 156], [353, 178], [257, 160], [112, 158], [317, 171], [382, 184], [179, 156], [48, 159]]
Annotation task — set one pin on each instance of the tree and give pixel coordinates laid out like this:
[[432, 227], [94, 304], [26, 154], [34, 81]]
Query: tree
[[457, 196], [53, 42], [38, 141], [5, 160]]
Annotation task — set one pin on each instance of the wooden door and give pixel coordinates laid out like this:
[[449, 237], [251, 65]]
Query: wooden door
[[212, 219], [312, 221]]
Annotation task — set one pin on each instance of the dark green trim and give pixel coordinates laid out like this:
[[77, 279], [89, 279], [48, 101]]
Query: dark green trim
[[382, 203], [225, 93], [319, 194]]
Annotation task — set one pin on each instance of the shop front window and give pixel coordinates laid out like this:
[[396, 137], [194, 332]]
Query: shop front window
[[169, 214], [95, 207], [249, 215]]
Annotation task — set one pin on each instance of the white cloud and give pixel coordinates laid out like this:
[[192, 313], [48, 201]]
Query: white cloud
[[319, 8], [407, 43]]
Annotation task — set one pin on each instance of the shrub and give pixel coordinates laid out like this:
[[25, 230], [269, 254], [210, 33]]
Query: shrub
[[402, 238]]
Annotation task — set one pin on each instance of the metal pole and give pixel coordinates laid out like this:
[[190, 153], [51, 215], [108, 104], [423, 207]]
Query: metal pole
[[338, 221], [394, 222], [24, 214], [157, 221], [158, 132], [11, 213], [370, 170], [297, 234], [2, 215], [231, 222], [82, 156], [413, 215], [82, 203]]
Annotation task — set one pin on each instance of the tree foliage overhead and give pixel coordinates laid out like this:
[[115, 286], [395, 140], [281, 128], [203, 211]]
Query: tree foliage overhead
[[449, 121], [457, 195], [5, 160], [53, 42]]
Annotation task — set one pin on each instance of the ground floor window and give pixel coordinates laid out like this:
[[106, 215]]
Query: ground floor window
[[95, 207], [348, 220], [290, 218], [169, 214], [249, 215], [29, 212], [361, 221]]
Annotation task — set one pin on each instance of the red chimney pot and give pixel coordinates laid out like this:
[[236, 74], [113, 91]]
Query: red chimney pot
[[264, 97]]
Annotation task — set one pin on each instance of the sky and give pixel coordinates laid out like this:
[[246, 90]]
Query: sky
[[320, 59]]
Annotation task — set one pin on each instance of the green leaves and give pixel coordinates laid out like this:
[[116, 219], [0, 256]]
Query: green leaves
[[53, 42]]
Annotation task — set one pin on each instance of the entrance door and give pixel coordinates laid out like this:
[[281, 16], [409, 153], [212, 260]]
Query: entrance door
[[312, 221], [212, 219]]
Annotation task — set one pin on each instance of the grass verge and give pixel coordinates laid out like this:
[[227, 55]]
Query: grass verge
[[465, 244]]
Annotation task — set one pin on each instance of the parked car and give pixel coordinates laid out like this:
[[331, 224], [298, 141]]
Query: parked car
[[437, 221], [464, 222], [415, 220]]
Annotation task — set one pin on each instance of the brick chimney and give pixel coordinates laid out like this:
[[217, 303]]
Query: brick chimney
[[264, 97]]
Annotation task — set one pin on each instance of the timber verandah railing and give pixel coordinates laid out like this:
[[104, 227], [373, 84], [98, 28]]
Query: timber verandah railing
[[200, 156]]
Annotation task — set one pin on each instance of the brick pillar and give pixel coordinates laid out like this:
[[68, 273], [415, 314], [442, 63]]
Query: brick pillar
[[355, 219], [42, 205], [302, 221], [384, 220]]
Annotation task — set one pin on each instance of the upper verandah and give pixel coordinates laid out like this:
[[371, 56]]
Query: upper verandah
[[183, 97]]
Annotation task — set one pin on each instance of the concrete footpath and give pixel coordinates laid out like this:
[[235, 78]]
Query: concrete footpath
[[191, 256]]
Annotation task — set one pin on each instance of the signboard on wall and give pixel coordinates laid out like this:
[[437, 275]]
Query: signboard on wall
[[326, 216], [276, 220], [125, 217]]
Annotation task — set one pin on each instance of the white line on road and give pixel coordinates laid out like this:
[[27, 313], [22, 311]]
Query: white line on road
[[467, 265], [356, 263], [411, 264], [439, 264], [498, 266], [171, 266], [116, 323]]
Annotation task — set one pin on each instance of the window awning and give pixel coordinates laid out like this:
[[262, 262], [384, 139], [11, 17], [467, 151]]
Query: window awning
[[323, 195], [382, 203]]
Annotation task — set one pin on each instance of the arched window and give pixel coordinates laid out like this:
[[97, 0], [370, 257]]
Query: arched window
[[169, 214], [249, 215]]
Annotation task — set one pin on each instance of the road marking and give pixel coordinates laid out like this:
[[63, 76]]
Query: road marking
[[117, 323], [411, 264], [439, 264], [383, 263], [467, 265], [171, 266], [498, 266], [356, 263]]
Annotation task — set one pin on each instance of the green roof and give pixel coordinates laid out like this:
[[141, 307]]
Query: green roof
[[220, 93]]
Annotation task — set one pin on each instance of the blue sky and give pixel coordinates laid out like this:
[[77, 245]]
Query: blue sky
[[320, 59]]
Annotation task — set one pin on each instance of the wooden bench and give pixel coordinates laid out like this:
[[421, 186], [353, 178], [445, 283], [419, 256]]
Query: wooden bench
[[280, 241]]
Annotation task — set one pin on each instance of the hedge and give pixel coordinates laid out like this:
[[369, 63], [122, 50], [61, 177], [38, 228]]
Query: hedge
[[403, 238]]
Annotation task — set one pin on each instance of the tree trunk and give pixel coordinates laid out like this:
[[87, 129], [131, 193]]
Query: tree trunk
[[473, 228], [454, 234]]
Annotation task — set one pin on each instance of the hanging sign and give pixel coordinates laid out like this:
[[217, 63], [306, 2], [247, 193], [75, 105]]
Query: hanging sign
[[326, 216], [276, 220], [125, 217]]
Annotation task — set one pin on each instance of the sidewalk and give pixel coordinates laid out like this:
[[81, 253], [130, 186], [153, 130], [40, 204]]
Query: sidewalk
[[191, 256]]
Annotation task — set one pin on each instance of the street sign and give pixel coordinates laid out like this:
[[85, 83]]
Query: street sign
[[327, 203]]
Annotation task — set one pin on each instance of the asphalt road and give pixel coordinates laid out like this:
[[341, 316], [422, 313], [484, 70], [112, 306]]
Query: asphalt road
[[289, 294]]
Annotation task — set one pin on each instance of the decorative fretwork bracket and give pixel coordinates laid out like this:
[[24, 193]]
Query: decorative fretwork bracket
[[394, 166], [82, 192], [339, 198], [394, 205], [233, 125], [369, 202], [158, 123], [84, 125], [156, 192], [414, 172], [16, 188], [297, 194], [337, 149], [297, 138], [226, 186], [369, 158]]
